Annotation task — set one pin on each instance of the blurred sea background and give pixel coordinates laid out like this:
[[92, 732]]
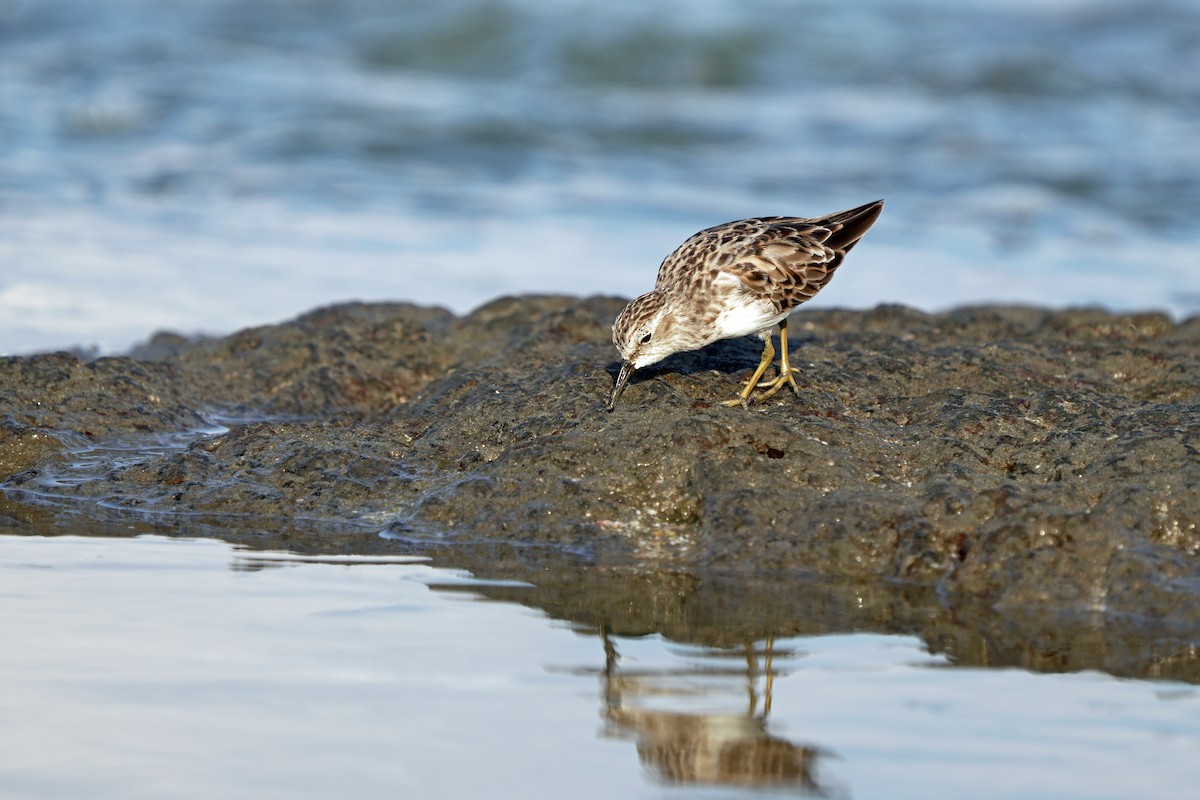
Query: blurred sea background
[[204, 165]]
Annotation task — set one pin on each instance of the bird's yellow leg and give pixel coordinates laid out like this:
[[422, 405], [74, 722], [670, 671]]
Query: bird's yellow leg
[[786, 370], [768, 356]]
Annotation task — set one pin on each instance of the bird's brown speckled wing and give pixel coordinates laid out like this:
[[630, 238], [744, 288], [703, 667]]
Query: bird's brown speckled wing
[[785, 260]]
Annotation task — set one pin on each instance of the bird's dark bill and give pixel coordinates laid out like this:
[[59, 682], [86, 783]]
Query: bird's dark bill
[[622, 379]]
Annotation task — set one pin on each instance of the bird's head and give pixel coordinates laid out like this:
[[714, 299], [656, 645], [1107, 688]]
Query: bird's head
[[643, 334]]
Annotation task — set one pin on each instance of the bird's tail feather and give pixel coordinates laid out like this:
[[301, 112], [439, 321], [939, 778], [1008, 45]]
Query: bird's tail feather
[[849, 226]]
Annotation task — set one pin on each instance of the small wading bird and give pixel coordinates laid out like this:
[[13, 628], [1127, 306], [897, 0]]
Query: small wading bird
[[736, 279]]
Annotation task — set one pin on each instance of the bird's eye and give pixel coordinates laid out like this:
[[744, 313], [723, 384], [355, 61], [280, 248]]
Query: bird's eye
[[645, 339]]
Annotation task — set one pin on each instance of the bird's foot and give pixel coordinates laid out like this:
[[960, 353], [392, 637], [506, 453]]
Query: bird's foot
[[783, 379], [772, 386]]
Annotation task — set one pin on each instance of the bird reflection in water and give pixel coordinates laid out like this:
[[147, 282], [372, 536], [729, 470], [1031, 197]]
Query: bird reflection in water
[[729, 748]]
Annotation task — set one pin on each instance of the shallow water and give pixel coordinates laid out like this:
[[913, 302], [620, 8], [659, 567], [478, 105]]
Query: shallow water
[[155, 667], [208, 165]]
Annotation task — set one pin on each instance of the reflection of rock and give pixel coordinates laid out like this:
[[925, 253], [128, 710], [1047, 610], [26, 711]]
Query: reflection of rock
[[702, 748], [994, 458], [722, 610]]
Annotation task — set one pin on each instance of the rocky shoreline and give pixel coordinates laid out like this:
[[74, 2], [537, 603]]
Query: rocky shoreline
[[1008, 458]]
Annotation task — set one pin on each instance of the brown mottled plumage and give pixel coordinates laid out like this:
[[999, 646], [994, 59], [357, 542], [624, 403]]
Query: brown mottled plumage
[[736, 279]]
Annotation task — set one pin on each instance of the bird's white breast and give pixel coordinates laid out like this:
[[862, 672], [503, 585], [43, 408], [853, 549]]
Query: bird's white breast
[[746, 318]]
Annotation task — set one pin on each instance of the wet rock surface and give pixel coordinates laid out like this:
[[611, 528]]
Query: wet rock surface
[[1010, 459]]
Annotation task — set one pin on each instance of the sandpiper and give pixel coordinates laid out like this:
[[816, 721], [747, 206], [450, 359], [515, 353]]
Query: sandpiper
[[733, 280]]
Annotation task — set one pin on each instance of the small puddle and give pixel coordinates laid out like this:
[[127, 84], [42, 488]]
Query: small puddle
[[158, 667]]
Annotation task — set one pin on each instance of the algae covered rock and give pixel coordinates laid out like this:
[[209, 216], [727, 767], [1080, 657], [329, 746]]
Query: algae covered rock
[[1017, 456]]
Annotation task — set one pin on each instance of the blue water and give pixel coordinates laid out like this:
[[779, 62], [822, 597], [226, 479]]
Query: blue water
[[162, 668], [211, 164]]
